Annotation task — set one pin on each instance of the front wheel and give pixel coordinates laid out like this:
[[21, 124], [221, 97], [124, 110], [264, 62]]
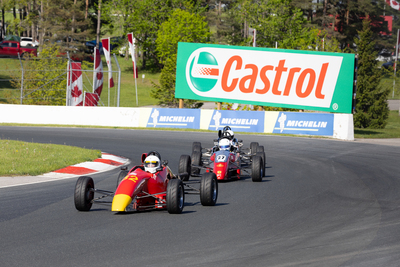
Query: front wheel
[[84, 193], [175, 196], [208, 189], [253, 147], [185, 167], [262, 155], [256, 169], [196, 146], [197, 161], [121, 176]]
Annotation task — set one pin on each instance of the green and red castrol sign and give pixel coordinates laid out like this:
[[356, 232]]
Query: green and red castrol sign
[[267, 77]]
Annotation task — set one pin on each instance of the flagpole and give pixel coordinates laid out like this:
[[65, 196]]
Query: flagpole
[[134, 73], [395, 62], [94, 70], [132, 49]]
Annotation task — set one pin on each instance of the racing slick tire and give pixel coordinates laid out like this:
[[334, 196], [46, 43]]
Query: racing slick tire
[[196, 146], [84, 193], [257, 171], [260, 149], [196, 160], [208, 189], [262, 155], [175, 196], [253, 147], [184, 167], [121, 176]]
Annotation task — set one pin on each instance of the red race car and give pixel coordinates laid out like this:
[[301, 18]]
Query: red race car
[[227, 160], [151, 185]]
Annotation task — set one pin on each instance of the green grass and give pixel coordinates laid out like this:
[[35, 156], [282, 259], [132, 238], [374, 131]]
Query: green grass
[[392, 129], [25, 158]]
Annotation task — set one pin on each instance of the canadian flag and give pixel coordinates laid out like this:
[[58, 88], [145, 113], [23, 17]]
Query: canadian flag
[[394, 4], [98, 73], [107, 52], [91, 99], [76, 84], [131, 40]]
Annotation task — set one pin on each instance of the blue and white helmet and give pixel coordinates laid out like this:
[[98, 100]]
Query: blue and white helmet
[[224, 144]]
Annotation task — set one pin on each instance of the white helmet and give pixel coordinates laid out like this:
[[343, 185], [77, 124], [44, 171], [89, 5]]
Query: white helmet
[[151, 163], [224, 144], [230, 135]]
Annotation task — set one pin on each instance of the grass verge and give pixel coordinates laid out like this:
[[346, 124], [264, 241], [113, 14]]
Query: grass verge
[[392, 129], [24, 158]]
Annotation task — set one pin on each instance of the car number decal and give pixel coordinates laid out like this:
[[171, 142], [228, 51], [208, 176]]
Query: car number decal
[[220, 158]]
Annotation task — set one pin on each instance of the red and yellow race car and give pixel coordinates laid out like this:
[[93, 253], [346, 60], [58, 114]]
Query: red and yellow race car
[[151, 185]]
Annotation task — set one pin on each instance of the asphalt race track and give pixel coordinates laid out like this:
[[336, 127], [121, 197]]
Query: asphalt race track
[[322, 203]]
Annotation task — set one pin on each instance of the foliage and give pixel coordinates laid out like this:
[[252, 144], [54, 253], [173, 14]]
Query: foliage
[[181, 27], [44, 83], [371, 109], [44, 77], [143, 18]]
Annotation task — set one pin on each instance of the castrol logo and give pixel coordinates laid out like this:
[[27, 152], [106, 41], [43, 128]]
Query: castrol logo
[[264, 76]]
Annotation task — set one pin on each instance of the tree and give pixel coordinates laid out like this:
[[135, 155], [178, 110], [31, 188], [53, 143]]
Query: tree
[[276, 21], [371, 109], [182, 26], [44, 77]]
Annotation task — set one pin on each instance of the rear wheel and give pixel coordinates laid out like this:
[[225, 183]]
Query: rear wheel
[[253, 147], [175, 196], [185, 167], [256, 169], [121, 176], [208, 189], [196, 160], [84, 193]]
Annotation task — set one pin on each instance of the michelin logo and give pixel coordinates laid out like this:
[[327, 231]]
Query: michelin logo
[[304, 123], [169, 118], [177, 119], [238, 120]]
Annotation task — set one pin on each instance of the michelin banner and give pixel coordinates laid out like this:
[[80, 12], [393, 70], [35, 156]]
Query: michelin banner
[[241, 121], [308, 80], [304, 123], [174, 118]]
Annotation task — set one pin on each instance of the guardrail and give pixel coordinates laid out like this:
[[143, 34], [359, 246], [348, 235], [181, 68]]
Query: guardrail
[[339, 126]]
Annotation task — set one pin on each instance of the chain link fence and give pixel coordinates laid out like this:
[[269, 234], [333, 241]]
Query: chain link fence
[[43, 81]]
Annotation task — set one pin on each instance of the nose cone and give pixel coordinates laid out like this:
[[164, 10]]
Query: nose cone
[[120, 202]]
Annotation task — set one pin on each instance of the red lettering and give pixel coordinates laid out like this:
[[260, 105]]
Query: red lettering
[[265, 79], [300, 82], [252, 78], [290, 80], [278, 76], [225, 74], [321, 80]]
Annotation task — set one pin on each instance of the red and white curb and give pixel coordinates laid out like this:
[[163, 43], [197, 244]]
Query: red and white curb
[[105, 163]]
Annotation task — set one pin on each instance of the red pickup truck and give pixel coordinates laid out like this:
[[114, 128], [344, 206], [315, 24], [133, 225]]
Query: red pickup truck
[[12, 48]]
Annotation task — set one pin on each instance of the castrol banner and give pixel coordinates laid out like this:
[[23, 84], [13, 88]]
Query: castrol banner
[[268, 77]]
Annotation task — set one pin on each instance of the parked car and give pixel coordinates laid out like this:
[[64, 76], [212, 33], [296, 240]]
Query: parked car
[[12, 48], [115, 42], [390, 64], [28, 41]]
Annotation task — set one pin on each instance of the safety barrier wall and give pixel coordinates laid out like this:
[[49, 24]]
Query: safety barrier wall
[[339, 126]]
